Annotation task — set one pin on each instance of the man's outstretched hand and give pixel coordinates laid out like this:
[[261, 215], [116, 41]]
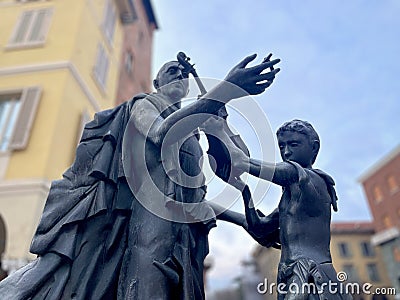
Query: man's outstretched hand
[[252, 79]]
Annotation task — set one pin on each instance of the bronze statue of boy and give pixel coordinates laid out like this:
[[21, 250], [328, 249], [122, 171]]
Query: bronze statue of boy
[[303, 215]]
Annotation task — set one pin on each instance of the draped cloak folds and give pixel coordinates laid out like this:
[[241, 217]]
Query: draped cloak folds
[[82, 235]]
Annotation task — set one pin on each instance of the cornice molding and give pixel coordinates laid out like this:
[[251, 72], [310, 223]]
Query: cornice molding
[[379, 164], [385, 236], [24, 186], [52, 67]]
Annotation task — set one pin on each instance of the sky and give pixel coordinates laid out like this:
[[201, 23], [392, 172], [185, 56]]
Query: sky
[[339, 71]]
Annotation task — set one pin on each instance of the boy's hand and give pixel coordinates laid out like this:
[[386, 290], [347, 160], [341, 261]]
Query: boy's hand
[[240, 161], [264, 229], [267, 239]]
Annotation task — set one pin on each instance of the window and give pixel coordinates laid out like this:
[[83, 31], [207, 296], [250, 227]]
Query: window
[[377, 192], [366, 249], [129, 14], [9, 108], [373, 273], [101, 66], [110, 17], [129, 62], [344, 250], [32, 28], [393, 186], [17, 112], [351, 272], [387, 222]]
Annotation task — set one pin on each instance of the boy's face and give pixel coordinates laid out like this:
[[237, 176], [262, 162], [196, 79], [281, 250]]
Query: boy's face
[[296, 147]]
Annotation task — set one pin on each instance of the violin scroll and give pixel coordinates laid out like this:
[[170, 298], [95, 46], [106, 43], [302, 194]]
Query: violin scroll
[[183, 59]]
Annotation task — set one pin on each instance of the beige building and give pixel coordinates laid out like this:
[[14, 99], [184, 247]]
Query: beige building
[[59, 63], [352, 253]]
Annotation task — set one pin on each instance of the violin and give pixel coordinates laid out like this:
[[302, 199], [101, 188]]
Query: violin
[[216, 148], [183, 59]]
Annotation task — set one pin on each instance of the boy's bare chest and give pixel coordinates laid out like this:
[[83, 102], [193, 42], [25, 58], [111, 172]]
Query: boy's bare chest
[[287, 205], [302, 200]]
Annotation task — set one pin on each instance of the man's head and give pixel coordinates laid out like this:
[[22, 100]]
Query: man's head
[[298, 141], [171, 81]]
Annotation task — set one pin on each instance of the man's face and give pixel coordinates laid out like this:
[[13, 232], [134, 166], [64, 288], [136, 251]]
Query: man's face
[[172, 81], [296, 147]]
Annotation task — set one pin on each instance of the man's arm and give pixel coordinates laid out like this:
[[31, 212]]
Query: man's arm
[[228, 215], [283, 173], [220, 141], [237, 159], [239, 82], [269, 238]]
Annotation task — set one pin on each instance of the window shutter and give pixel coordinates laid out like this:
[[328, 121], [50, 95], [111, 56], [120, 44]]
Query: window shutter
[[44, 24], [32, 27], [109, 20], [29, 104], [22, 27], [101, 66]]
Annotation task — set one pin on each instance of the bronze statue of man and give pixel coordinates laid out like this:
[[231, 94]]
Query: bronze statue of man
[[101, 235]]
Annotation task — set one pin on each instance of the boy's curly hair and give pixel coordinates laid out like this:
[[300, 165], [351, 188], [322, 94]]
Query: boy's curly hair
[[302, 127]]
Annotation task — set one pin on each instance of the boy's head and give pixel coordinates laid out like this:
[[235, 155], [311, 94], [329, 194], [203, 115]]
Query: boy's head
[[298, 136]]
